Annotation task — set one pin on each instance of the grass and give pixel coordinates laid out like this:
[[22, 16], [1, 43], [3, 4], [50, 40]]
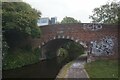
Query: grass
[[102, 69], [20, 58], [63, 71]]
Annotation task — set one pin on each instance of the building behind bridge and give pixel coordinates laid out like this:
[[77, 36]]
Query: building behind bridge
[[46, 21]]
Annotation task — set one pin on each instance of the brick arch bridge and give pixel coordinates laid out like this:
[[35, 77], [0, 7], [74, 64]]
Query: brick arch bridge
[[97, 39]]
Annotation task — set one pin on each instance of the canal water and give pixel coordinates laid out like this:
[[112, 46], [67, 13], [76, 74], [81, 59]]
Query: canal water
[[43, 69]]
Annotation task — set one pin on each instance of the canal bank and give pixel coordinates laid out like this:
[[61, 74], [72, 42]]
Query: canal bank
[[43, 69], [74, 69]]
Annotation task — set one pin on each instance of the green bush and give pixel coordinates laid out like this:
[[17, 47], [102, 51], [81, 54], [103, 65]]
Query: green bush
[[4, 48], [19, 58], [62, 55], [62, 52], [74, 49], [27, 48], [37, 52]]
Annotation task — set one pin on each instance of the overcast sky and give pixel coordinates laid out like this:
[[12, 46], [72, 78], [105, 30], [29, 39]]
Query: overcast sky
[[78, 9]]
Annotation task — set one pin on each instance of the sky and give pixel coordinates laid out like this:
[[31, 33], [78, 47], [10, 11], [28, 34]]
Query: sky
[[78, 9]]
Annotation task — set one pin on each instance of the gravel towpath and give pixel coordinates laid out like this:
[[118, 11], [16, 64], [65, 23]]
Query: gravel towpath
[[77, 70]]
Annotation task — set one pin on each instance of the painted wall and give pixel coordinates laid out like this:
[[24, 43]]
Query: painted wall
[[103, 47]]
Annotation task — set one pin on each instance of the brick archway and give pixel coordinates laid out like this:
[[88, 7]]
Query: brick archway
[[101, 38], [65, 37], [51, 46]]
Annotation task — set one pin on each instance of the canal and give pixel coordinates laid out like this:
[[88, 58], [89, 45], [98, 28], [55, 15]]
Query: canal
[[43, 69]]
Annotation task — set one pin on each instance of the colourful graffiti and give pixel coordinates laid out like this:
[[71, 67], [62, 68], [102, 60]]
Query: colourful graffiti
[[104, 47]]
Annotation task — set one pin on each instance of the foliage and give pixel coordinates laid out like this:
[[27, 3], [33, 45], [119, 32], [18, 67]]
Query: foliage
[[62, 55], [69, 20], [107, 13], [14, 38], [19, 58], [102, 69], [20, 16], [4, 48], [19, 20], [37, 52], [62, 52], [64, 70], [119, 14], [35, 32], [10, 1], [73, 49]]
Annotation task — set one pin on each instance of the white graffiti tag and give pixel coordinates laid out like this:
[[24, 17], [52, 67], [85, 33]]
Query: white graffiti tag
[[92, 27]]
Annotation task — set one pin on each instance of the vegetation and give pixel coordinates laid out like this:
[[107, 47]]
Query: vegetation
[[63, 71], [5, 48], [19, 22], [74, 49], [62, 52], [102, 69], [69, 51], [69, 20], [119, 13], [107, 13], [21, 17], [20, 57], [62, 55]]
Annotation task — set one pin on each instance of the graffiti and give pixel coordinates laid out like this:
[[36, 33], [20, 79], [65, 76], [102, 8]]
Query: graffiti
[[104, 47], [92, 27]]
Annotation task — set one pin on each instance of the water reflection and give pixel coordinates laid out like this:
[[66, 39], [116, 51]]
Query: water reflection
[[43, 69]]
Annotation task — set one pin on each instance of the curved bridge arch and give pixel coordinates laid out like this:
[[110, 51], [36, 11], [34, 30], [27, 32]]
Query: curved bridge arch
[[96, 38], [51, 47], [65, 37]]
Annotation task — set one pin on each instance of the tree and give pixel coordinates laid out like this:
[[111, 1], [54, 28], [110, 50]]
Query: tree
[[107, 13], [4, 48], [72, 47], [119, 13], [21, 17], [69, 20]]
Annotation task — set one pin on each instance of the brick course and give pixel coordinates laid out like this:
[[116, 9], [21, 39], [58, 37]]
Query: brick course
[[76, 32]]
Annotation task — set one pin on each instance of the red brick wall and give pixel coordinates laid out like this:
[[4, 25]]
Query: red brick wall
[[77, 32]]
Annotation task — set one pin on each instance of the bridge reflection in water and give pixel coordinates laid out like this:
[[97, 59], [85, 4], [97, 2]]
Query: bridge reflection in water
[[48, 68], [43, 69]]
